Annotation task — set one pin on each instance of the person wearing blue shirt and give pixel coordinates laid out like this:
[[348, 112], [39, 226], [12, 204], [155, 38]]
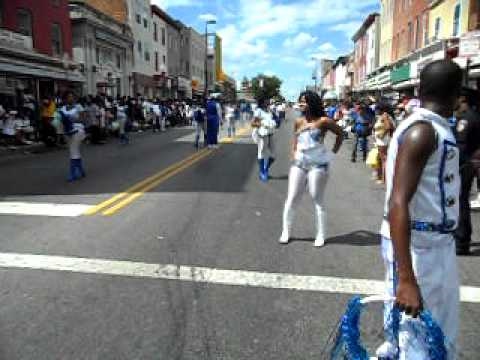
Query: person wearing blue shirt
[[214, 116]]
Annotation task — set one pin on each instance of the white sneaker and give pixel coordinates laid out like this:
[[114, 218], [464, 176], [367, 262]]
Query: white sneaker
[[387, 350], [284, 238], [319, 242]]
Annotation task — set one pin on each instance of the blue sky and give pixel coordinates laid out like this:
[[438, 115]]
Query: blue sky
[[277, 37]]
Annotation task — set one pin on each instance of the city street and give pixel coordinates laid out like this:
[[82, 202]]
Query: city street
[[166, 252]]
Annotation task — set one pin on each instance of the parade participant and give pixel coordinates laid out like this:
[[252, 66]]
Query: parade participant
[[230, 119], [311, 160], [421, 213], [199, 119], [214, 118], [263, 127], [468, 139], [72, 119], [361, 129], [121, 112]]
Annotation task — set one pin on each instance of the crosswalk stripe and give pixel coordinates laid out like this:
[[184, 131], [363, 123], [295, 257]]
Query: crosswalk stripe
[[42, 209], [197, 274]]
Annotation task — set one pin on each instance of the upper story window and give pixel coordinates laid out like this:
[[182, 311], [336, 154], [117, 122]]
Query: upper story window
[[426, 40], [119, 61], [164, 59], [145, 23], [1, 13], [155, 31], [57, 48], [163, 36], [147, 56], [139, 19], [438, 24], [456, 20], [97, 55], [24, 22], [156, 61], [139, 46]]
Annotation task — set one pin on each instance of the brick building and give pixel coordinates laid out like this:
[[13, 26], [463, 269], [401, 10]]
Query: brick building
[[35, 49], [410, 27]]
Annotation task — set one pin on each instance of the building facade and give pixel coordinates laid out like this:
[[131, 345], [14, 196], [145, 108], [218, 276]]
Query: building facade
[[173, 58], [140, 21], [366, 52], [160, 54], [36, 49], [198, 55], [386, 31], [410, 27], [448, 18], [342, 84], [103, 46]]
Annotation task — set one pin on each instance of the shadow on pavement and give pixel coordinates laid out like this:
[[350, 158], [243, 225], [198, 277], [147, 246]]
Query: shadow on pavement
[[356, 238]]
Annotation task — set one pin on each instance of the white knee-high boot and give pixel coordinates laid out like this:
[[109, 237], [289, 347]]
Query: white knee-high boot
[[320, 226], [288, 216]]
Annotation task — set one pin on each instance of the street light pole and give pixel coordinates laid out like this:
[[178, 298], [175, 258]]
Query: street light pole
[[205, 93]]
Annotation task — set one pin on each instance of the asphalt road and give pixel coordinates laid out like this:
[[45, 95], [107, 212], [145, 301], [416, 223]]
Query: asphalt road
[[212, 213]]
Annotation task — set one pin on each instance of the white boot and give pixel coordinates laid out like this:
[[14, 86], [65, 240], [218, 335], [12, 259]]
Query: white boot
[[288, 215], [320, 225]]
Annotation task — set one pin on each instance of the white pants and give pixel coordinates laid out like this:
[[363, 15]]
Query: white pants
[[74, 142], [435, 268], [298, 179], [266, 146]]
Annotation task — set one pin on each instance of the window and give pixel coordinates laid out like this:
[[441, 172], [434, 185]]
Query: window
[[1, 12], [139, 19], [57, 49], [456, 21], [437, 28], [145, 23], [163, 36], [164, 60], [155, 31], [97, 55], [425, 30], [156, 61], [187, 67], [139, 46], [119, 61], [147, 56], [418, 38], [56, 2], [24, 22], [410, 36]]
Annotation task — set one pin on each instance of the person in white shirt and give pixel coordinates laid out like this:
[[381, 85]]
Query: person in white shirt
[[264, 127], [157, 114], [230, 119]]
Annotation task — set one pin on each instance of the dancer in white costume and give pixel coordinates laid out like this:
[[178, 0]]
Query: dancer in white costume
[[311, 161], [421, 213]]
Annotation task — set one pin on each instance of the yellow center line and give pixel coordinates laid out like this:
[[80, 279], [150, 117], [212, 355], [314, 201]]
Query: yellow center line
[[120, 205], [97, 208]]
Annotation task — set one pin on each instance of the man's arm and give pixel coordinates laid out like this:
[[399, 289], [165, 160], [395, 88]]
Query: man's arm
[[331, 125], [418, 144]]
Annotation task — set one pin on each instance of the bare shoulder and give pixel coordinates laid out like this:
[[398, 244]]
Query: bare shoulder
[[420, 138], [299, 122]]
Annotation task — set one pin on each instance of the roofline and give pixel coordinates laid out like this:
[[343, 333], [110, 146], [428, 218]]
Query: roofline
[[369, 20], [163, 15]]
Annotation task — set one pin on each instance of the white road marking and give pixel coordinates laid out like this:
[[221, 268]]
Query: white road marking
[[42, 209], [206, 275]]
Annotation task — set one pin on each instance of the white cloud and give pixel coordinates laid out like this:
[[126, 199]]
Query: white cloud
[[349, 28], [300, 41], [165, 4], [207, 17]]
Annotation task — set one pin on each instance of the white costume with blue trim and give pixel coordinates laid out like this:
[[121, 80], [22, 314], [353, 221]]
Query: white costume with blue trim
[[434, 213]]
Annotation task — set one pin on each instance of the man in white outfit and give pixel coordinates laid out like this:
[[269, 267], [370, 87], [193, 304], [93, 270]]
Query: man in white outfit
[[421, 214]]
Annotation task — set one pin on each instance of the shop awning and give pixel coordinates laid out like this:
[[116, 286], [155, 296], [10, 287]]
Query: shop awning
[[400, 74], [38, 70]]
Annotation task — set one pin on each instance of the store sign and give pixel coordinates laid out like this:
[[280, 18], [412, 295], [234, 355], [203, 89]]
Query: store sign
[[13, 39], [470, 44], [401, 73]]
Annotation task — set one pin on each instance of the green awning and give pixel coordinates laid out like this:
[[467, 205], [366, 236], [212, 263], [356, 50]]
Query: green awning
[[401, 73]]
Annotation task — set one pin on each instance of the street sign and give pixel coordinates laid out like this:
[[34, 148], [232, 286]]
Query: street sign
[[470, 44]]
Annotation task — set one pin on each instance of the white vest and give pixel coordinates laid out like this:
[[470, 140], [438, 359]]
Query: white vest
[[434, 208]]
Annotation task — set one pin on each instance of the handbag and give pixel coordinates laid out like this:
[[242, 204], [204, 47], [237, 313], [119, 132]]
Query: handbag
[[373, 158]]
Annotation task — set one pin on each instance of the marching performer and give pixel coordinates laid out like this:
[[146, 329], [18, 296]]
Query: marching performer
[[71, 115], [421, 214], [263, 127], [311, 161]]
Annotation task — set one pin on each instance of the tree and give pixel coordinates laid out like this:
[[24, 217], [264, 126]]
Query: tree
[[266, 87]]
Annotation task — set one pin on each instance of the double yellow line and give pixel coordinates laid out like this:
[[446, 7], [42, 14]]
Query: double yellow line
[[116, 203]]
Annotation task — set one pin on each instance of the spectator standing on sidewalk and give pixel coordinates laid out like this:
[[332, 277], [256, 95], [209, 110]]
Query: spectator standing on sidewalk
[[48, 131], [200, 127], [383, 129], [72, 119], [420, 216], [468, 139], [230, 119]]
